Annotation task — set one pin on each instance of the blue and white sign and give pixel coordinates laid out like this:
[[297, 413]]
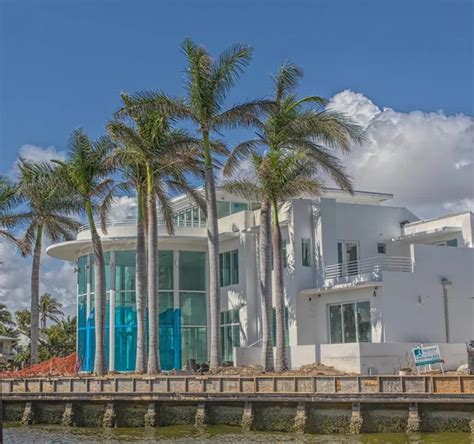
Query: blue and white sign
[[426, 355]]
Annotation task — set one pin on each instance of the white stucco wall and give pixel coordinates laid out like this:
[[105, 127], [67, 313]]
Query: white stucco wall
[[413, 307]]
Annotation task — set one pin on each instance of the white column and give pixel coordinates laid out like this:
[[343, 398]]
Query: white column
[[112, 313]]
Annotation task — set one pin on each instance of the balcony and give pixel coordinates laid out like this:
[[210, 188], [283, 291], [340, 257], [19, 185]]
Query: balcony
[[365, 270]]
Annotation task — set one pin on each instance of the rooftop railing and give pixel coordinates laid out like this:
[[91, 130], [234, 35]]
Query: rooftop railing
[[133, 222], [369, 265]]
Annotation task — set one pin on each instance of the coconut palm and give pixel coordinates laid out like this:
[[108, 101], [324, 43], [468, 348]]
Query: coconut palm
[[207, 85], [298, 125], [86, 176], [280, 175], [158, 158], [47, 216], [50, 308]]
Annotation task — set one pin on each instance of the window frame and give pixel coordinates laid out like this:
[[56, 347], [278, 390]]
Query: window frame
[[342, 304], [232, 256], [308, 242]]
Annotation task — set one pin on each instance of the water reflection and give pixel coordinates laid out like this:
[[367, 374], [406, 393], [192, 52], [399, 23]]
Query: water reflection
[[227, 434]]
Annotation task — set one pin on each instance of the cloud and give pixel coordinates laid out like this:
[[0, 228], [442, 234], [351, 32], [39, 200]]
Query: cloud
[[424, 159], [123, 207], [56, 277], [38, 154]]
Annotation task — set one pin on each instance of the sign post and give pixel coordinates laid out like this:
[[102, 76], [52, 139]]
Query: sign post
[[426, 355]]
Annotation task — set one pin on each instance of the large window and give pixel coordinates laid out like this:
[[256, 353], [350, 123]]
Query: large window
[[350, 322], [229, 268], [306, 252], [192, 270], [230, 333], [225, 208], [193, 306]]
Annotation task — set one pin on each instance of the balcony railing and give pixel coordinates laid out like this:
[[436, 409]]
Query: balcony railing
[[132, 222], [369, 265]]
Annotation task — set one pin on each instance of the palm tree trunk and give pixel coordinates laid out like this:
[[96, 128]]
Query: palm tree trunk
[[141, 286], [152, 240], [99, 290], [279, 295], [265, 250], [213, 248], [35, 275]]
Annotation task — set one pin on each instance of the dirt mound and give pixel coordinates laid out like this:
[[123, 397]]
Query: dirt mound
[[66, 366], [256, 370]]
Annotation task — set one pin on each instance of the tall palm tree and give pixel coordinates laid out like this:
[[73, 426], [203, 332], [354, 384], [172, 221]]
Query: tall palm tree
[[86, 176], [162, 155], [47, 216], [134, 175], [279, 176], [207, 85], [50, 308], [298, 125]]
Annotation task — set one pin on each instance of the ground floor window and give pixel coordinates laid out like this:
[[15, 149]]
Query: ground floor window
[[349, 322], [287, 337], [230, 333], [229, 268]]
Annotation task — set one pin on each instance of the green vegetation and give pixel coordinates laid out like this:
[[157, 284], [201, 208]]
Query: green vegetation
[[148, 152]]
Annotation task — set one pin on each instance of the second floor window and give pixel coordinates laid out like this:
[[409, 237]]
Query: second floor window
[[306, 252], [229, 268]]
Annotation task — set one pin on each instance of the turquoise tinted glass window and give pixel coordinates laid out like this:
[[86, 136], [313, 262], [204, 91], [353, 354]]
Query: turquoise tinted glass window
[[166, 308], [223, 209], [234, 275], [165, 260], [203, 217], [193, 344], [81, 312], [237, 207], [229, 268], [91, 272], [124, 270], [230, 333], [192, 270], [452, 243], [82, 275], [195, 217], [125, 309], [193, 308]]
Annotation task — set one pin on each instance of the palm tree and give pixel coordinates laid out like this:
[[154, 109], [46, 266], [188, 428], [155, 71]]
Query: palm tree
[[158, 157], [280, 175], [50, 308], [7, 326], [47, 216], [85, 175], [298, 125], [9, 200], [207, 85]]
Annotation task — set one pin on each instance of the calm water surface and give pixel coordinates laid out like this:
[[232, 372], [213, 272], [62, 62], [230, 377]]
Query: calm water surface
[[14, 434]]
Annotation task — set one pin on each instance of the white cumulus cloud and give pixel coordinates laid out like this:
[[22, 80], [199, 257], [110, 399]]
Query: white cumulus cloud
[[37, 154], [424, 159]]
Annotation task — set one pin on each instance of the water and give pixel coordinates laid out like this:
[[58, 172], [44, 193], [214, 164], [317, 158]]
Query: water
[[42, 434]]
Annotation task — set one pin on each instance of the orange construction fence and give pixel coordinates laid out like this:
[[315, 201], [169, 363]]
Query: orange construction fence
[[66, 366]]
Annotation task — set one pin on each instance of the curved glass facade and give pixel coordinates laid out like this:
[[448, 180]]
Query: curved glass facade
[[182, 309]]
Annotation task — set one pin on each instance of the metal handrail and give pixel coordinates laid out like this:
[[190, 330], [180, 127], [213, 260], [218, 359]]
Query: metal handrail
[[369, 265], [133, 222]]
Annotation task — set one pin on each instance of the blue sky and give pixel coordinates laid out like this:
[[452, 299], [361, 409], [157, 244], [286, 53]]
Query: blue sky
[[64, 62]]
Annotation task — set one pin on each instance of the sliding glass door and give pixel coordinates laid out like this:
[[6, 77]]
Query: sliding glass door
[[349, 322]]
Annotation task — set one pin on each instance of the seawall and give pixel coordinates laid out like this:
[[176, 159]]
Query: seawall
[[318, 404]]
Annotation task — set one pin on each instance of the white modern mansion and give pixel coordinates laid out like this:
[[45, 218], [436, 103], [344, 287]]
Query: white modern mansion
[[364, 283]]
